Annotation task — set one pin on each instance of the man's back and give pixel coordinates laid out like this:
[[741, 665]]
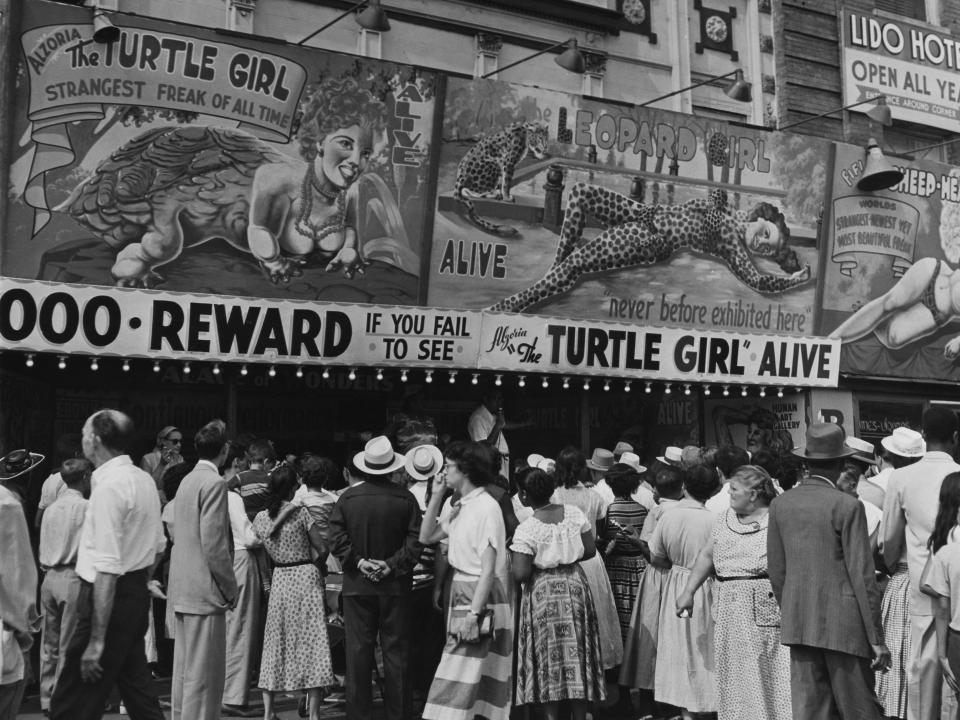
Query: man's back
[[821, 569], [254, 490], [376, 520]]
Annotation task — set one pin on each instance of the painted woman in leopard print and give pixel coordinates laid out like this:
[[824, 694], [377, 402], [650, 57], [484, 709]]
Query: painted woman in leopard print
[[639, 235]]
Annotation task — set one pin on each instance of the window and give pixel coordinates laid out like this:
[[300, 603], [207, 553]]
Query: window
[[916, 9], [369, 44]]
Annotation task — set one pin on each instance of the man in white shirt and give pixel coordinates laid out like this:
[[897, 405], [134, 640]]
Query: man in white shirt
[[909, 511], [59, 542], [202, 585], [729, 458], [120, 544], [487, 424]]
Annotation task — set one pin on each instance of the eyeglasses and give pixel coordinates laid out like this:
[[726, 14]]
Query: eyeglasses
[[175, 441]]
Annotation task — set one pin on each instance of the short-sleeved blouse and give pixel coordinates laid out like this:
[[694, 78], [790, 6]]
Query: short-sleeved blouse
[[289, 544], [552, 544], [471, 524], [589, 502]]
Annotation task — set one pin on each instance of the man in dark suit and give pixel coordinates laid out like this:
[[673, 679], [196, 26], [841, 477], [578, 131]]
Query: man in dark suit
[[374, 532], [823, 577], [202, 584]]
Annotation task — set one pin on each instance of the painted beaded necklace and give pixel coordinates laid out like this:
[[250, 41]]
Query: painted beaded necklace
[[319, 230]]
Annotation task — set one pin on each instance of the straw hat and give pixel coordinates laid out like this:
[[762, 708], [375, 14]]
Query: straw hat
[[423, 462], [534, 460], [18, 462], [621, 448], [548, 465], [601, 460], [864, 451], [378, 457], [633, 460], [671, 456], [904, 442]]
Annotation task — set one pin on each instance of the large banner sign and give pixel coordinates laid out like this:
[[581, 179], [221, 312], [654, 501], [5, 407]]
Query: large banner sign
[[551, 345], [554, 204], [50, 317], [180, 159], [890, 280], [914, 66]]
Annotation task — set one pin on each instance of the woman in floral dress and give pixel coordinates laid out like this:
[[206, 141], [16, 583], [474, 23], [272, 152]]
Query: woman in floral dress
[[296, 650], [752, 667]]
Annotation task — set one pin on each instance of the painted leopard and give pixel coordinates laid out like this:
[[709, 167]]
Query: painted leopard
[[487, 168], [639, 235]]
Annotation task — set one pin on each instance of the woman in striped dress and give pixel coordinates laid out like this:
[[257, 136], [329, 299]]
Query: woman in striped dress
[[474, 676]]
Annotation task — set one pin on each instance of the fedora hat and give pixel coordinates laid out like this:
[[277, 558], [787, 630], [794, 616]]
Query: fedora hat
[[17, 462], [601, 460], [671, 456], [633, 460], [534, 460], [863, 450], [904, 442], [824, 441], [621, 448], [378, 457], [424, 461]]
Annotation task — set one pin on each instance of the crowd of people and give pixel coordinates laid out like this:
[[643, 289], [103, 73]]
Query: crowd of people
[[814, 582]]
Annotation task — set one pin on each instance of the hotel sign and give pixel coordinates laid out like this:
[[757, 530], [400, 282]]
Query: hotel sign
[[918, 69]]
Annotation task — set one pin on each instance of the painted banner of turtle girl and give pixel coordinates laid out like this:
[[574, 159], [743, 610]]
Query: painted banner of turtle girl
[[560, 205], [178, 158], [891, 279]]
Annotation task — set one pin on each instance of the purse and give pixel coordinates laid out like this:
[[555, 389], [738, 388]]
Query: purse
[[484, 626]]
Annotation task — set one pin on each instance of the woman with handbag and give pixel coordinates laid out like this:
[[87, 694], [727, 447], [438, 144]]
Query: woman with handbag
[[473, 678], [752, 667], [558, 650]]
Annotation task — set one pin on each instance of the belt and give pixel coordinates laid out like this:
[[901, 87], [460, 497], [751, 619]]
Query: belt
[[66, 566], [295, 563], [728, 578]]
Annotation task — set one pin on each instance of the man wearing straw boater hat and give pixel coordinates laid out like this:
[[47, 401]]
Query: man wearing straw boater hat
[[374, 532], [822, 574]]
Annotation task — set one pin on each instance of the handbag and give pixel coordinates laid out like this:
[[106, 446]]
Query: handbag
[[484, 626]]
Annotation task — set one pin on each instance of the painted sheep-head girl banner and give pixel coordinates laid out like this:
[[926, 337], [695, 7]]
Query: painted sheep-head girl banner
[[180, 159]]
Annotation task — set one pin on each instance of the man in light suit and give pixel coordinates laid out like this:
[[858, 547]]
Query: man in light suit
[[202, 583], [822, 574]]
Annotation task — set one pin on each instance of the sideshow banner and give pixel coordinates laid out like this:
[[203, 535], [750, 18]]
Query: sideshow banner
[[559, 205], [890, 286], [770, 423], [912, 65], [183, 159], [51, 317], [528, 344]]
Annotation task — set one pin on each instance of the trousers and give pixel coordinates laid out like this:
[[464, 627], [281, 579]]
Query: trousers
[[199, 656], [123, 660], [827, 684], [59, 594]]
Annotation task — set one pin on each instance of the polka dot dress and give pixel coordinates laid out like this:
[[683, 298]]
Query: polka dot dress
[[296, 650]]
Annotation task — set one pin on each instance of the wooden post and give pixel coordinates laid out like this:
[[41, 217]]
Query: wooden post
[[553, 198]]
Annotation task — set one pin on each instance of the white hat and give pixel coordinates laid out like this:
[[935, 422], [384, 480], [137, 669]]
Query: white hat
[[671, 456], [424, 461], [865, 450], [633, 460], [904, 442], [378, 457], [547, 465], [534, 459]]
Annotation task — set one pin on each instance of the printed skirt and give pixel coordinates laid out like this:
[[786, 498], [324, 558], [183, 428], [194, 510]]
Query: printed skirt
[[474, 679], [891, 686]]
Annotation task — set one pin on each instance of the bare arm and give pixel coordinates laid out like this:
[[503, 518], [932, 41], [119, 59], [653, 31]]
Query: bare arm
[[430, 530], [488, 562], [702, 569], [104, 591]]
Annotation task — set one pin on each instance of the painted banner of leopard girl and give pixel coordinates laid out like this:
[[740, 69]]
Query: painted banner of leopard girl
[[554, 204], [182, 159]]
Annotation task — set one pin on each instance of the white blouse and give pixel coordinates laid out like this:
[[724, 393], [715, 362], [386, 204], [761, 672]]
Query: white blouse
[[552, 544], [473, 523]]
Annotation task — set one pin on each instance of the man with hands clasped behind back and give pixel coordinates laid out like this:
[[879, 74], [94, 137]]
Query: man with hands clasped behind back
[[374, 532]]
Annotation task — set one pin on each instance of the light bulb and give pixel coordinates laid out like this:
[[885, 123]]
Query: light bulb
[[186, 368], [726, 391], [686, 388], [216, 369], [779, 392], [667, 390], [429, 376], [586, 384], [272, 372], [243, 369], [626, 385], [706, 390], [299, 371], [522, 381], [126, 365], [474, 379], [566, 383], [379, 374], [763, 392], [453, 376], [325, 374], [498, 380], [94, 365], [606, 386], [156, 366], [545, 383], [403, 376], [743, 391], [647, 388], [353, 375], [61, 361], [29, 359]]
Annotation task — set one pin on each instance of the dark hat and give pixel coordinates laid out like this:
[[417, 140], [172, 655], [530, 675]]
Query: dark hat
[[18, 462], [824, 441]]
